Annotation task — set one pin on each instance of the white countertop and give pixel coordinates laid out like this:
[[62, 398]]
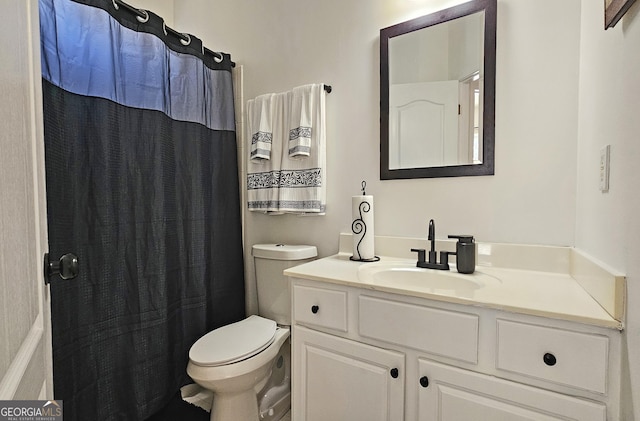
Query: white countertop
[[547, 294]]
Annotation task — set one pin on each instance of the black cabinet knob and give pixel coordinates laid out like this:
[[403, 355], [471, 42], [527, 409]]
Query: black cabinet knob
[[549, 359], [424, 381], [315, 309], [394, 373]]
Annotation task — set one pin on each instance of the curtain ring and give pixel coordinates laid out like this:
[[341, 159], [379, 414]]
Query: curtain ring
[[164, 28], [115, 5], [145, 16], [187, 41], [218, 60]]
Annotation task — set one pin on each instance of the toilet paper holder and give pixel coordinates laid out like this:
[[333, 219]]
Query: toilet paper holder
[[363, 205]]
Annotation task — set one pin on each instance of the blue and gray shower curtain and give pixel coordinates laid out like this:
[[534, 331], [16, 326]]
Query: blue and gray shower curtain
[[142, 185]]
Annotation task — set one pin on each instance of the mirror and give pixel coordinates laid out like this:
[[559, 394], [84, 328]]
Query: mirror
[[437, 94]]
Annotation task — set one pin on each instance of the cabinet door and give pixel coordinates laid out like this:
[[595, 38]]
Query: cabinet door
[[341, 380], [453, 394]]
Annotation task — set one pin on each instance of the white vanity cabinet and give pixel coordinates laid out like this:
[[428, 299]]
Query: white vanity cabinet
[[340, 379], [360, 354]]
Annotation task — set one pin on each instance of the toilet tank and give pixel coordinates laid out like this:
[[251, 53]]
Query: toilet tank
[[274, 298]]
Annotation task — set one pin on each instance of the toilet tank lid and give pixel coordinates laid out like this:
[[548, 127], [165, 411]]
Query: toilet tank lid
[[284, 251]]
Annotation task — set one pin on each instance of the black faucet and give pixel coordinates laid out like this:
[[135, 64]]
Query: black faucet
[[433, 261]]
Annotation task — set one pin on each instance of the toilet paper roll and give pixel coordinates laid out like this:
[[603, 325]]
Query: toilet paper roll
[[362, 227]]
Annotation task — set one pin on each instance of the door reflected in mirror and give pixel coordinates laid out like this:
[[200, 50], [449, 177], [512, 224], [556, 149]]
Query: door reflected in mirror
[[437, 93]]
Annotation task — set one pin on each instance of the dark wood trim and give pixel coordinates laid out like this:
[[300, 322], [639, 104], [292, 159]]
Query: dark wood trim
[[487, 167], [614, 12]]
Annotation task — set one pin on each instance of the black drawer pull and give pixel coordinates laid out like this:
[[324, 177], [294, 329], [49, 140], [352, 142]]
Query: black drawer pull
[[549, 359], [424, 381], [315, 309], [394, 373]]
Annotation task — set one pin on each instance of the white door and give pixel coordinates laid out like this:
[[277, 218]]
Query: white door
[[423, 124], [452, 394], [342, 380], [25, 329]]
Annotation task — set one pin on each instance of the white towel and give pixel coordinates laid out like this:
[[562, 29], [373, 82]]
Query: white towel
[[304, 101], [260, 113], [263, 176], [303, 184]]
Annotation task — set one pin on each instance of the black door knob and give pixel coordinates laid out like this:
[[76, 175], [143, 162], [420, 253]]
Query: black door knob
[[394, 373], [315, 309], [67, 267], [549, 359], [424, 381]]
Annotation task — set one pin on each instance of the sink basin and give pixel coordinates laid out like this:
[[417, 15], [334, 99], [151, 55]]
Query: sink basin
[[406, 275]]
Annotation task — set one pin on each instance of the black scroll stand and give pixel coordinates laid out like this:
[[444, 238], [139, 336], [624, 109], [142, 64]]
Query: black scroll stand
[[358, 226]]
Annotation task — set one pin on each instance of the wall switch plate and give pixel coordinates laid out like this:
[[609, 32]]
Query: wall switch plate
[[604, 168]]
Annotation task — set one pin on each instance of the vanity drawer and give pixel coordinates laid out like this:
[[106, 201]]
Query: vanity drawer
[[320, 307], [560, 356], [440, 332]]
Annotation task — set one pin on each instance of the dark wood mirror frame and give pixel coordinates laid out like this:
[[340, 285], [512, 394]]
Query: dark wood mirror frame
[[487, 165]]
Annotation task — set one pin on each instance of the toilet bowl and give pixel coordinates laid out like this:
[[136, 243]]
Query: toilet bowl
[[247, 365], [234, 361]]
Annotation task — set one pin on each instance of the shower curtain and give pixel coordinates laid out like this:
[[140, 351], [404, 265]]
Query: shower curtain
[[142, 185]]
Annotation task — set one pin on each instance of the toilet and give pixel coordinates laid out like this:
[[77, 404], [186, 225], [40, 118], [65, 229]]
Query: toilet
[[247, 364]]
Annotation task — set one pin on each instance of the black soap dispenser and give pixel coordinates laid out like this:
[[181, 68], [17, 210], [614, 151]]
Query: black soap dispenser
[[465, 253]]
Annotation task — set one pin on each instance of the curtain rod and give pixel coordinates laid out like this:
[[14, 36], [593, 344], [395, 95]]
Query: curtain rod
[[143, 16]]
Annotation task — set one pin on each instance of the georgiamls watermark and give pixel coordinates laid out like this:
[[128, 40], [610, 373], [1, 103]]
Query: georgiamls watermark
[[31, 410]]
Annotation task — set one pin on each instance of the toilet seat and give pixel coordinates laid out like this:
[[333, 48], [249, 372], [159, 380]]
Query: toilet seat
[[234, 342]]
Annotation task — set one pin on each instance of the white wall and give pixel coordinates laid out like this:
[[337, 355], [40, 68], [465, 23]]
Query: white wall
[[608, 224]]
